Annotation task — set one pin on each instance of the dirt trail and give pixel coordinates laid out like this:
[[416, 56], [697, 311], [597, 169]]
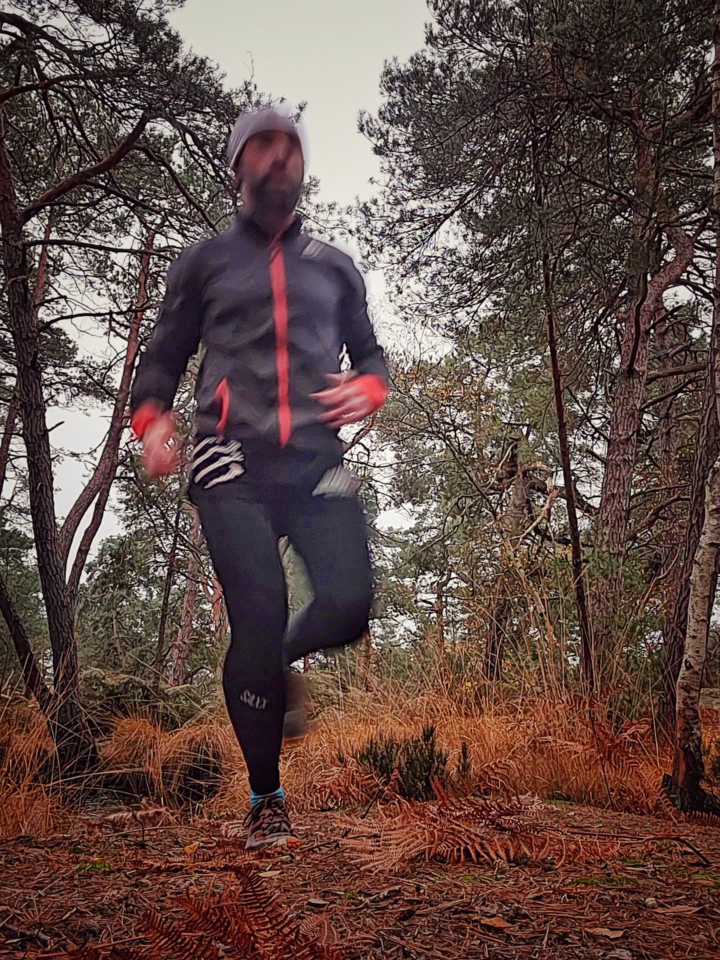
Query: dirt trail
[[653, 899]]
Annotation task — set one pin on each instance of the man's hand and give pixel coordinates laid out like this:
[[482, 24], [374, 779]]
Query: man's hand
[[160, 449], [347, 400]]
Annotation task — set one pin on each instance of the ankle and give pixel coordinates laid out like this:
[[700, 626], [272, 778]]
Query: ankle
[[256, 798]]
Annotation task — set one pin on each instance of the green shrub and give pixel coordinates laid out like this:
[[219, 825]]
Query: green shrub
[[418, 762]]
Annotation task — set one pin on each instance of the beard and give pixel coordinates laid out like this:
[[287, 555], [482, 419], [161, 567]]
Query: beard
[[275, 200]]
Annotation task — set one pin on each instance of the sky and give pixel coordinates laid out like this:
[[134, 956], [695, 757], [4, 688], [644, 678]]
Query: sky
[[329, 53]]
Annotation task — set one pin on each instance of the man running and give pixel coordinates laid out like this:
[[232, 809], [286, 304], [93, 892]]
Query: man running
[[272, 309]]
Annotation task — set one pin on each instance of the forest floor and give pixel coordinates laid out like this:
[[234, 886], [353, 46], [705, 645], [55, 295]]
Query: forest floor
[[615, 886]]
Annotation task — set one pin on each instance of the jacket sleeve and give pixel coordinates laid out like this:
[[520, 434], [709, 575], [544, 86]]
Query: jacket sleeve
[[366, 354], [174, 340]]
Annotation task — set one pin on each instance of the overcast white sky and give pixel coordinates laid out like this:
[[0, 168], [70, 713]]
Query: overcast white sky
[[329, 53]]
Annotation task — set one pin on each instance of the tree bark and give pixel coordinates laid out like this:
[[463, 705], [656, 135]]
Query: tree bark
[[512, 525], [104, 474], [707, 448], [670, 529], [688, 766], [71, 734], [7, 437], [495, 645], [181, 648], [38, 296], [34, 683], [165, 608], [214, 595], [587, 655], [611, 537]]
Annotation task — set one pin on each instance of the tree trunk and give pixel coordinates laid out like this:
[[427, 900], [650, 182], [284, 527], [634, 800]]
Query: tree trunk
[[181, 649], [104, 474], [38, 296], [688, 767], [34, 683], [611, 538], [707, 450], [512, 525], [587, 656], [32, 677], [587, 659], [7, 437], [645, 299], [71, 734], [670, 529], [439, 611], [707, 447], [165, 608], [495, 647], [215, 597]]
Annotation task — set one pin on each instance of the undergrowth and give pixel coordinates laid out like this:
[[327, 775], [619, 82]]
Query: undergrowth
[[243, 920], [377, 745], [416, 762]]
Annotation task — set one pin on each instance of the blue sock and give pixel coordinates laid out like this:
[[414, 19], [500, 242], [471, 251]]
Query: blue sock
[[255, 798]]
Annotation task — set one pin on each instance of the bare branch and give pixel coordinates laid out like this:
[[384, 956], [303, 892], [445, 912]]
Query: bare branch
[[15, 91], [101, 481], [676, 371], [82, 176]]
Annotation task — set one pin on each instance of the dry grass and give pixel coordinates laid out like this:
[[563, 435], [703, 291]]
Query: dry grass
[[25, 747], [548, 752], [545, 748]]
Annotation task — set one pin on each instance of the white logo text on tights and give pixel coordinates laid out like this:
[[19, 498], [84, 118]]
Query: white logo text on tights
[[254, 700]]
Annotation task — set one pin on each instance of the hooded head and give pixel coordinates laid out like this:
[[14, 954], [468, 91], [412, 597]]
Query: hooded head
[[267, 158]]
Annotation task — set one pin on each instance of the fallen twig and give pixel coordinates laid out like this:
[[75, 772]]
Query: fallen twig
[[26, 934]]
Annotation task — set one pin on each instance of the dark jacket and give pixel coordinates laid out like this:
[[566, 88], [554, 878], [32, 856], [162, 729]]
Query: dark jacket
[[272, 319]]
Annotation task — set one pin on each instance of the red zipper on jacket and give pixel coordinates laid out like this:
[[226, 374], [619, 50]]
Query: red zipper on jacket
[[222, 395], [278, 282]]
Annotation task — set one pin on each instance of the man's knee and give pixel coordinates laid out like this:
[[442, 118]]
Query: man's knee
[[258, 615], [347, 614]]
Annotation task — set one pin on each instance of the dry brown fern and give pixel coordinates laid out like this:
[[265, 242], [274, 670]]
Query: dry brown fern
[[346, 784], [665, 807], [246, 915], [163, 935], [497, 776], [518, 830], [707, 819], [147, 815], [245, 918], [233, 829]]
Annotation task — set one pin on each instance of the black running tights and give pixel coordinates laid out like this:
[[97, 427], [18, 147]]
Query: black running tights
[[242, 533]]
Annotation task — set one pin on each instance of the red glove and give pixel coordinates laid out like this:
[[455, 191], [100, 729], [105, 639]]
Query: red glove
[[351, 398], [156, 429]]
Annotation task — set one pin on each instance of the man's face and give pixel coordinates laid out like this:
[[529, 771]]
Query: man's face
[[271, 169]]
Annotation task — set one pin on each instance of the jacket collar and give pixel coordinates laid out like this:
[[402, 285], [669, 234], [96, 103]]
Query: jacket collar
[[248, 225]]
